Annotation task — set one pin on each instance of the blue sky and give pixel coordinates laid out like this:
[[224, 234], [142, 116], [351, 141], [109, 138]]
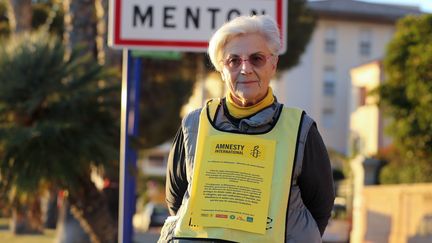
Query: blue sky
[[425, 5]]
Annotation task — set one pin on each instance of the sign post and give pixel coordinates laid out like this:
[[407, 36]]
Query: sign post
[[128, 156], [165, 25]]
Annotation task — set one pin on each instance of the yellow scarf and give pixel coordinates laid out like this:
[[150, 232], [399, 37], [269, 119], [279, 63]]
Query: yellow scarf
[[240, 112]]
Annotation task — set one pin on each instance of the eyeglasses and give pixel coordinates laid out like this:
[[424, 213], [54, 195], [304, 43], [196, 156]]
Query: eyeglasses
[[257, 60]]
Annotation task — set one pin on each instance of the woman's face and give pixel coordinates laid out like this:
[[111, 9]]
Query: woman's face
[[248, 66]]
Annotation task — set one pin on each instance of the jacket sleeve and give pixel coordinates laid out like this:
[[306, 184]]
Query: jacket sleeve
[[176, 179], [316, 179]]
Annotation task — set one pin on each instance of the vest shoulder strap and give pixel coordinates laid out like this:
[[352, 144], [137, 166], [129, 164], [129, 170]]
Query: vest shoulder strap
[[212, 107], [191, 120]]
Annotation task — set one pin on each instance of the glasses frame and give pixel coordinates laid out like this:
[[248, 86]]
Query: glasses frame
[[242, 61]]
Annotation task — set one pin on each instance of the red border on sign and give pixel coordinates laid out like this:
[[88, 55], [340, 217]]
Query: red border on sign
[[159, 43]]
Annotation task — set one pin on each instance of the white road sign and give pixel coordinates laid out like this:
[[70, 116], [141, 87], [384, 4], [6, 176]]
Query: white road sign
[[182, 25]]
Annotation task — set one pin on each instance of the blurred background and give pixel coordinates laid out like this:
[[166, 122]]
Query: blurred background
[[361, 69]]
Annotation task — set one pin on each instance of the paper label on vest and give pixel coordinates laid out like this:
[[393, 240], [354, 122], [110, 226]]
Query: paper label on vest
[[234, 183]]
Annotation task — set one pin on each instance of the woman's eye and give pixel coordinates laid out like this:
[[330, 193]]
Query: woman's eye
[[258, 58], [234, 61]]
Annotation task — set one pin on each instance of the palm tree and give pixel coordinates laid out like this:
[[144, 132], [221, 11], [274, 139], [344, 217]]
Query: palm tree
[[20, 15], [58, 119], [80, 22]]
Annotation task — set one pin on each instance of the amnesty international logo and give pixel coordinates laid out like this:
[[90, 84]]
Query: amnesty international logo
[[228, 148], [256, 152]]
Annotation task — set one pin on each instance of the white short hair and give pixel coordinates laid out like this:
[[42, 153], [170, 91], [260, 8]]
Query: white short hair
[[242, 25]]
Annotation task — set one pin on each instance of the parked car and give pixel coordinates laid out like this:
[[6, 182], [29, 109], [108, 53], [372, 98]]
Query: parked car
[[153, 216], [339, 227]]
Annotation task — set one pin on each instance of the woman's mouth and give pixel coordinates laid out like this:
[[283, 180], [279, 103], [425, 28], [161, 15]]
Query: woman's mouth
[[247, 82]]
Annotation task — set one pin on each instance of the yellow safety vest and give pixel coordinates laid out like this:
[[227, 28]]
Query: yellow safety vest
[[241, 182]]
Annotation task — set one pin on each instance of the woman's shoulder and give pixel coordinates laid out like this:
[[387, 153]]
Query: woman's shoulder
[[191, 120], [308, 120]]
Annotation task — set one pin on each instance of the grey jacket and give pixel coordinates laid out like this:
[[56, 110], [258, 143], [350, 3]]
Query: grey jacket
[[301, 224]]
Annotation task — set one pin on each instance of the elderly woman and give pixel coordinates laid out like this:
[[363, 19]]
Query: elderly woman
[[245, 168]]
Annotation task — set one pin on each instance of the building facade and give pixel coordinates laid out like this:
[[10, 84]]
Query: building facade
[[347, 34], [367, 124]]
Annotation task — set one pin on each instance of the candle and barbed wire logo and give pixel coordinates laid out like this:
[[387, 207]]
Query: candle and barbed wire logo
[[256, 151]]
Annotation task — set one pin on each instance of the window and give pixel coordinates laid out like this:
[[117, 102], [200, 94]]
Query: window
[[362, 96], [329, 81], [365, 44], [327, 118], [330, 40]]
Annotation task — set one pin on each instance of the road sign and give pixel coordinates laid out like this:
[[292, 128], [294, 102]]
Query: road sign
[[182, 25]]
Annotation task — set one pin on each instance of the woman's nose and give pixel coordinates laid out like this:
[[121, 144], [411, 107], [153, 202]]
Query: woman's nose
[[246, 67]]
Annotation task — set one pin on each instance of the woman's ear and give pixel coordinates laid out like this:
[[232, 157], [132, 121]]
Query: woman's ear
[[275, 62]]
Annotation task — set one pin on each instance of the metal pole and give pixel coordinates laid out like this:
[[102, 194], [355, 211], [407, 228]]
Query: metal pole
[[128, 156]]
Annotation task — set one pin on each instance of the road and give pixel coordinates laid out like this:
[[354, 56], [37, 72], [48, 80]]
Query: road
[[147, 237]]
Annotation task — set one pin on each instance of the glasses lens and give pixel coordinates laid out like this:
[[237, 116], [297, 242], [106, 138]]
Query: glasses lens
[[233, 62], [258, 60]]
